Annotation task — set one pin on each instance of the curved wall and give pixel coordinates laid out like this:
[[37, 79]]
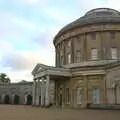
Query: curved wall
[[89, 42]]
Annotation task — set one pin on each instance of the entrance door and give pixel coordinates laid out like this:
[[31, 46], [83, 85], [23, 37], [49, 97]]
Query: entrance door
[[96, 96], [118, 94]]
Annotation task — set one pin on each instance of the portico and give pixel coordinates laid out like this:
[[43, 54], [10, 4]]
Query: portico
[[44, 87]]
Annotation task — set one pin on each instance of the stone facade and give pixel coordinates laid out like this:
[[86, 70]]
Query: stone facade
[[113, 84], [16, 93], [87, 62]]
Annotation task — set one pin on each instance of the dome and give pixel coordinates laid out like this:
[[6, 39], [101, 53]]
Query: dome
[[99, 15], [102, 12]]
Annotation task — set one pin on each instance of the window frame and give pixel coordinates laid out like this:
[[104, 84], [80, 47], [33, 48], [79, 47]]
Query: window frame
[[94, 54], [77, 56], [93, 36], [69, 58], [114, 53]]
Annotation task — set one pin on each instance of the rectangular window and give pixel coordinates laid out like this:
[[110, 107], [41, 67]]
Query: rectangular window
[[114, 53], [94, 54], [96, 96], [67, 95], [69, 58], [77, 58], [112, 35], [93, 36]]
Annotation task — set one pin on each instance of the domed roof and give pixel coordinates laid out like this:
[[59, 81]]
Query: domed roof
[[99, 15], [102, 12]]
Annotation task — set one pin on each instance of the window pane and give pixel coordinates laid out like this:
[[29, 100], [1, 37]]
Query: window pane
[[69, 58], [93, 36], [94, 53], [114, 53], [77, 58]]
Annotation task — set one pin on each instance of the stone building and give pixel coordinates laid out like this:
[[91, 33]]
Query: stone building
[[87, 70], [16, 93]]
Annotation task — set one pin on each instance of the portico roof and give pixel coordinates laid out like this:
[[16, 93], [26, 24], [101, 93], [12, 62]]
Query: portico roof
[[43, 70]]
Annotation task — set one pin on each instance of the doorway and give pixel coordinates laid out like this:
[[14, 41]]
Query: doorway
[[16, 100], [29, 100], [6, 99]]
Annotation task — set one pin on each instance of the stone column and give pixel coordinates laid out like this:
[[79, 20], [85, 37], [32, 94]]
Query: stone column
[[42, 92], [12, 98], [47, 93], [38, 92], [34, 92]]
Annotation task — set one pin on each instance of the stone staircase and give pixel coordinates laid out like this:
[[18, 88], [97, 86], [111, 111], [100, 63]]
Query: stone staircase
[[104, 107]]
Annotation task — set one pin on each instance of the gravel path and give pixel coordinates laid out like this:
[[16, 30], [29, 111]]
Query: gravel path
[[12, 112]]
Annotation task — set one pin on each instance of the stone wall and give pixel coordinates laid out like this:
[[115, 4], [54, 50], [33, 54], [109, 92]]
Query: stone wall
[[22, 91], [113, 85]]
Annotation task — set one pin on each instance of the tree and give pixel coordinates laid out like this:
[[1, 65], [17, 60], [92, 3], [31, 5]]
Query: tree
[[4, 78]]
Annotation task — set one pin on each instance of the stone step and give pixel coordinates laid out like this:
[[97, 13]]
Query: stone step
[[104, 107]]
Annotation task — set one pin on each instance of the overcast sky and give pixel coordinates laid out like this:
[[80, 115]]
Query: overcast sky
[[27, 29]]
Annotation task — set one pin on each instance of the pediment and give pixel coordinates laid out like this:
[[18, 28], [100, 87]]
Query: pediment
[[39, 67]]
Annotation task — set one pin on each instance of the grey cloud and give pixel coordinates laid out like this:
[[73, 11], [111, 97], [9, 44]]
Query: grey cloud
[[17, 62]]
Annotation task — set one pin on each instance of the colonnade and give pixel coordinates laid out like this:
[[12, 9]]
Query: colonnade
[[41, 89]]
